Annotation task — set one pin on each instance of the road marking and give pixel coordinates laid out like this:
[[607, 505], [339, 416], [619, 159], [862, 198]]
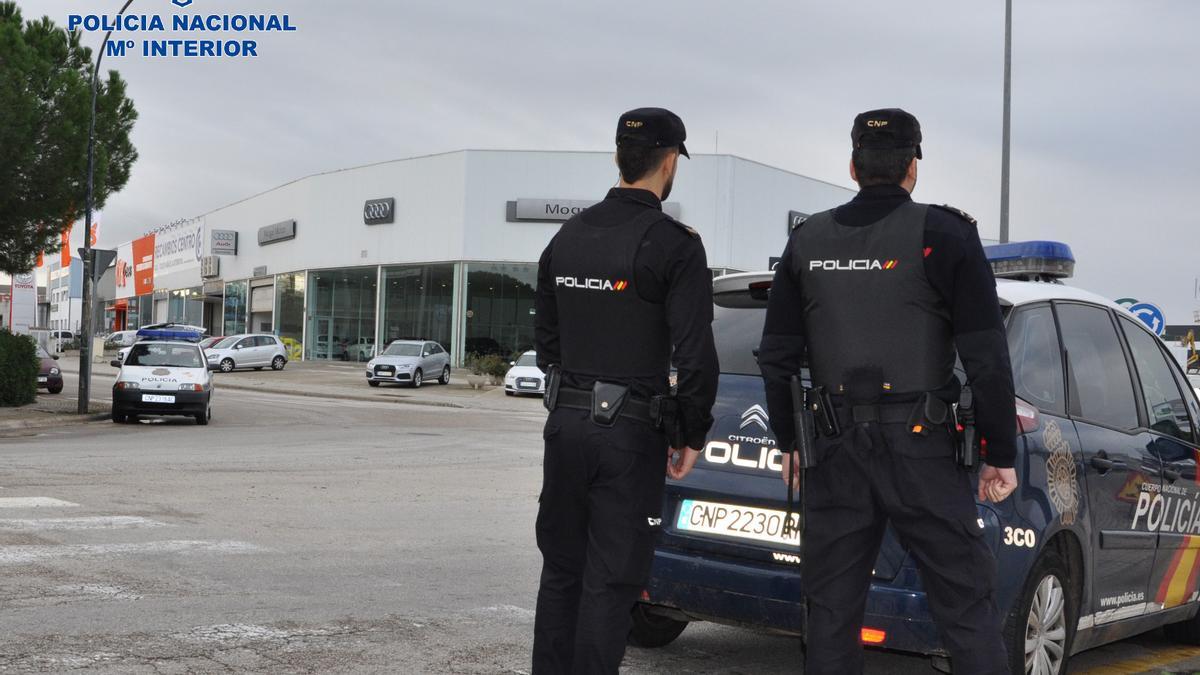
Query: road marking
[[243, 632], [1151, 661], [17, 555], [32, 502], [92, 523], [97, 591], [511, 612]]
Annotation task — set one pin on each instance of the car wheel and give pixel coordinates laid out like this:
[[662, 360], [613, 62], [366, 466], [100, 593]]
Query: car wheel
[[651, 630], [1040, 630], [203, 418], [55, 390], [418, 379], [445, 378], [278, 363], [373, 383], [226, 365]]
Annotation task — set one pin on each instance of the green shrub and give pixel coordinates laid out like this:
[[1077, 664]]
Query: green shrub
[[19, 366]]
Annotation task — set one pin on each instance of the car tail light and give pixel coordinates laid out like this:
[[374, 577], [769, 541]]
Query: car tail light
[[191, 387], [873, 636], [126, 385], [1027, 418], [645, 596]]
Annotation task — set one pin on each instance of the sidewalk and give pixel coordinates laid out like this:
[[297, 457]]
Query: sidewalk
[[52, 410], [347, 381]]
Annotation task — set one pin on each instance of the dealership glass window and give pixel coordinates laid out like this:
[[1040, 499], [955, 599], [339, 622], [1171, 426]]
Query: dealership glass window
[[145, 310], [418, 302], [289, 312], [341, 314], [235, 308], [499, 304], [186, 306]]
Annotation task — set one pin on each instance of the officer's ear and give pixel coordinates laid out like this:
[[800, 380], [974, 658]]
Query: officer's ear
[[669, 164], [853, 173]]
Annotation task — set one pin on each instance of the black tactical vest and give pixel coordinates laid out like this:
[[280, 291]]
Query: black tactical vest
[[868, 303], [606, 329]]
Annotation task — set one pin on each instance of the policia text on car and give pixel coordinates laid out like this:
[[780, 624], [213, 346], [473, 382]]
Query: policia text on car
[[623, 291], [887, 450]]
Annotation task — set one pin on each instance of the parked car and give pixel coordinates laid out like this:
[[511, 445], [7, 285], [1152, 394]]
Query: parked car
[[1097, 545], [59, 339], [410, 362], [119, 339], [164, 373], [524, 377], [49, 375], [363, 350], [256, 351]]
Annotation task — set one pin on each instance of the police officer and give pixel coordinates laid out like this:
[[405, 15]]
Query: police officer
[[623, 290], [881, 292]]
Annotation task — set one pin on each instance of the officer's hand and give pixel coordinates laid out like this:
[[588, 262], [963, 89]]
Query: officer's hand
[[995, 485], [680, 465], [792, 468]]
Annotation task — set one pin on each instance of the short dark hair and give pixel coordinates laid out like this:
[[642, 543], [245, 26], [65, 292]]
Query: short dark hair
[[882, 166], [635, 160]]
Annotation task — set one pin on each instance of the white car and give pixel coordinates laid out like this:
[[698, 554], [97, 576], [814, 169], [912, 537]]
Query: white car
[[363, 351], [410, 362], [120, 339], [255, 351], [162, 376], [524, 377]]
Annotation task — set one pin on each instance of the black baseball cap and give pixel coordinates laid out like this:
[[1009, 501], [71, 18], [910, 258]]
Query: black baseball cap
[[886, 128], [658, 127]]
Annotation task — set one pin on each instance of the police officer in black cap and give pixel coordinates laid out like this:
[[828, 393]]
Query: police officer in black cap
[[881, 293], [623, 291]]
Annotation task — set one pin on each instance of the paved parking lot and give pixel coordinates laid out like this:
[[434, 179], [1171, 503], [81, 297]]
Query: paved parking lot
[[309, 534]]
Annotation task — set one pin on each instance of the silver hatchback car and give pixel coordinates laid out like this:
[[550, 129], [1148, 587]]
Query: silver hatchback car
[[410, 362], [255, 351]]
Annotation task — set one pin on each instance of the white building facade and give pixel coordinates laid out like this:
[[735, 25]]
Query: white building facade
[[443, 247]]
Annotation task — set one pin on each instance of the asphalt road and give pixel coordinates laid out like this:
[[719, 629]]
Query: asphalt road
[[298, 534]]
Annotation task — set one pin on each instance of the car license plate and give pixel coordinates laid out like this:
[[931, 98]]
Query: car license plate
[[528, 385], [41, 379], [742, 522], [157, 398]]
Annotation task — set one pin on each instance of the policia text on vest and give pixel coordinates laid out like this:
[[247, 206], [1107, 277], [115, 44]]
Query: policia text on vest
[[920, 272], [623, 290]]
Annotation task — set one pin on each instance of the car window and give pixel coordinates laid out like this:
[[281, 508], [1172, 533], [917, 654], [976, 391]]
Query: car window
[[737, 329], [1165, 404], [403, 349], [1101, 388], [1036, 359], [436, 348], [226, 343], [162, 354], [42, 353], [246, 342], [264, 341], [527, 360]]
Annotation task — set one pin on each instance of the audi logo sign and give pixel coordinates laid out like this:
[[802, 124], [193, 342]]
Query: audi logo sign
[[379, 211]]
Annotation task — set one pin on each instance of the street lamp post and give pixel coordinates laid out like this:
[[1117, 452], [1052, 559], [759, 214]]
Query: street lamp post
[[1004, 159], [89, 286]]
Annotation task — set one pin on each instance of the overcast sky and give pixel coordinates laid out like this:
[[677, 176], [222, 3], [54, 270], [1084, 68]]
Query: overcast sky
[[1105, 103]]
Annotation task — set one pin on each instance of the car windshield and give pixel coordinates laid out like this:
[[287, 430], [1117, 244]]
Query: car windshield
[[528, 360], [42, 353], [226, 343], [163, 354], [402, 349]]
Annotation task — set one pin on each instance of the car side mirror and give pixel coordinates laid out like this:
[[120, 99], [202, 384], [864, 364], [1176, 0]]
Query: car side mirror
[[114, 363]]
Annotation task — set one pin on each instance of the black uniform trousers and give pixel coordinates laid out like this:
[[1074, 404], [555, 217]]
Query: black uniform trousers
[[599, 515], [868, 476]]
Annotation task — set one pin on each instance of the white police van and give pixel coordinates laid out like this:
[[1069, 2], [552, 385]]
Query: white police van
[[163, 373], [1100, 542]]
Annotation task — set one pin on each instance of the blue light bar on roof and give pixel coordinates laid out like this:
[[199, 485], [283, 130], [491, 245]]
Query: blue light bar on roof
[[1031, 260], [179, 334]]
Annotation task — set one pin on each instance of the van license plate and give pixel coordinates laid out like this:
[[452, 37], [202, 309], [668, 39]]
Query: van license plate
[[741, 522], [157, 398]]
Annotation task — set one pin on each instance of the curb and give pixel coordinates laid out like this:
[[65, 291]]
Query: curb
[[54, 420]]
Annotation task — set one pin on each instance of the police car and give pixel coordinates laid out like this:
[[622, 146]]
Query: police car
[[1100, 542], [163, 373]]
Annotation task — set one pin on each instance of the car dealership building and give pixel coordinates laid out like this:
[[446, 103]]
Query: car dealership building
[[443, 247]]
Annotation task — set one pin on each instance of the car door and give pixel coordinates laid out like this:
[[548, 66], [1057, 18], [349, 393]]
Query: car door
[[1121, 469], [264, 349], [429, 365], [243, 352], [1170, 411]]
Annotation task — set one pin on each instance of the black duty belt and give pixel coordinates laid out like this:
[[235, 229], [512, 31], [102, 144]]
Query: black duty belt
[[581, 399], [883, 413]]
